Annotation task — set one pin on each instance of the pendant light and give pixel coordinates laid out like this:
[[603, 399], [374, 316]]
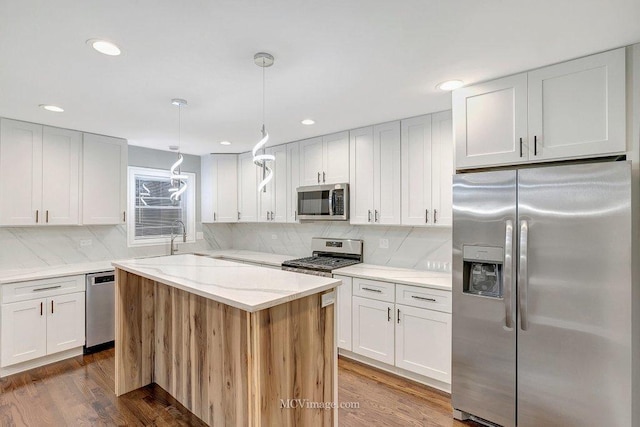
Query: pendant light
[[178, 181], [263, 60]]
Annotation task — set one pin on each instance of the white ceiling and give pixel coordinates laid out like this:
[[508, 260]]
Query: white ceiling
[[344, 63]]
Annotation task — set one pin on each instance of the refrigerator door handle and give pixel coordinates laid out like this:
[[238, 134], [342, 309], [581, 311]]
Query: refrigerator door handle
[[508, 273], [523, 279]]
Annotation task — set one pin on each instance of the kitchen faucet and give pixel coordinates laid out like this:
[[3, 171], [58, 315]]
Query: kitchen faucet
[[173, 236]]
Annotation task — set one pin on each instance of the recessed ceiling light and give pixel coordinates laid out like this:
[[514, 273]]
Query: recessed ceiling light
[[104, 47], [307, 122], [53, 108], [225, 142], [450, 85]]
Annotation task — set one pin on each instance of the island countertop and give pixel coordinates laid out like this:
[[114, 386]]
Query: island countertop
[[243, 286]]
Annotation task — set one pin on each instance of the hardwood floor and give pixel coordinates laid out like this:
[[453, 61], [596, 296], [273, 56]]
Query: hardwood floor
[[80, 392]]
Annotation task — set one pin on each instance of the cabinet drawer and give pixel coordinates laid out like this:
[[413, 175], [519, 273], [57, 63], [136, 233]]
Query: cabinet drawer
[[416, 296], [23, 291], [373, 289]]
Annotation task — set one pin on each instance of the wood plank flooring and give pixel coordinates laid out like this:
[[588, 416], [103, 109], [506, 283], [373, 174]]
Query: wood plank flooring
[[80, 392]]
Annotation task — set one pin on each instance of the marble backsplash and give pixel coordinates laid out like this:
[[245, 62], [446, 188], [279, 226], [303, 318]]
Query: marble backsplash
[[26, 247], [409, 247]]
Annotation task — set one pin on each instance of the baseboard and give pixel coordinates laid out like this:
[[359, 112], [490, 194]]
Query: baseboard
[[41, 361], [439, 385]]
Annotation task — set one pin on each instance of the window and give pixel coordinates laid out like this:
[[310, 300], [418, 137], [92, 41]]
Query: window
[[153, 212]]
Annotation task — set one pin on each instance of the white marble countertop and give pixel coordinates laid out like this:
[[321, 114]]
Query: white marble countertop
[[247, 287], [406, 276], [274, 260], [47, 272]]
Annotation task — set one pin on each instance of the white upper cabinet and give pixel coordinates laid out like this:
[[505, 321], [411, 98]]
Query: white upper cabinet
[[491, 122], [104, 179], [335, 158], [247, 188], [273, 201], [293, 176], [311, 161], [219, 196], [61, 150], [325, 160], [442, 167], [20, 173], [427, 169], [362, 176], [375, 174], [577, 108], [39, 174]]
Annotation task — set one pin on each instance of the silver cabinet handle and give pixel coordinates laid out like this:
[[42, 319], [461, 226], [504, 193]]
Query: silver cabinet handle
[[324, 177], [423, 298], [369, 216], [426, 216], [48, 288], [318, 177], [376, 216], [388, 314], [378, 291], [508, 273], [435, 216], [523, 279]]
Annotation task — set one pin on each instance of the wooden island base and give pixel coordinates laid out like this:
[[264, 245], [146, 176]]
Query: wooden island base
[[226, 365]]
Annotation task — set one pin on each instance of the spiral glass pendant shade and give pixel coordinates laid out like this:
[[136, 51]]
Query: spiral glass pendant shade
[[263, 60], [178, 180]]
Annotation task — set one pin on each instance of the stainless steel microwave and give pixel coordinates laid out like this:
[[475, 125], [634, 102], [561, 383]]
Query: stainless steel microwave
[[323, 202]]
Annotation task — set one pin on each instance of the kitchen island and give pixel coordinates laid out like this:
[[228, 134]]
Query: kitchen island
[[234, 343]]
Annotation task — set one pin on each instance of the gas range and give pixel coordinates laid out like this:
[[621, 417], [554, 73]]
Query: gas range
[[328, 255]]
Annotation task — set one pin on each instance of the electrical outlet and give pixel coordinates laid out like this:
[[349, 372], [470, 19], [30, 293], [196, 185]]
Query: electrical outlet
[[86, 242], [384, 243]]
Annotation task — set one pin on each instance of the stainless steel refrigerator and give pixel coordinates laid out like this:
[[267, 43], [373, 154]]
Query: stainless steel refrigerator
[[542, 296]]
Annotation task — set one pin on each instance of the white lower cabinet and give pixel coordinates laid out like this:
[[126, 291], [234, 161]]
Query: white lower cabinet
[[373, 329], [423, 342], [343, 312], [408, 327], [39, 319]]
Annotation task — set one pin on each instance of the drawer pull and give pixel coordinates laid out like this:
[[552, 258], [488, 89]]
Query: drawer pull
[[47, 288], [388, 314], [51, 306], [423, 298], [378, 291], [41, 308]]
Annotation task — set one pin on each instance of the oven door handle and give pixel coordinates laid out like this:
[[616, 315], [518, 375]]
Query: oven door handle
[[331, 194]]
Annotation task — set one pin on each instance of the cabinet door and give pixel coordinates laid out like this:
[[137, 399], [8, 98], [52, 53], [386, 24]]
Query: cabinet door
[[416, 171], [208, 186], [23, 331], [65, 322], [20, 173], [104, 179], [293, 176], [577, 108], [311, 153], [226, 188], [423, 342], [362, 179], [442, 167], [61, 176], [489, 121], [279, 200], [373, 329], [343, 312], [387, 173], [247, 188], [335, 158]]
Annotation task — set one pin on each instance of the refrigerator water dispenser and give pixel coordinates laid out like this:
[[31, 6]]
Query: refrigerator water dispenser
[[483, 271]]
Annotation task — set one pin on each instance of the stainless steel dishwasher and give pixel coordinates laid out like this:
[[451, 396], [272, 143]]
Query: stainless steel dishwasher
[[99, 310]]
